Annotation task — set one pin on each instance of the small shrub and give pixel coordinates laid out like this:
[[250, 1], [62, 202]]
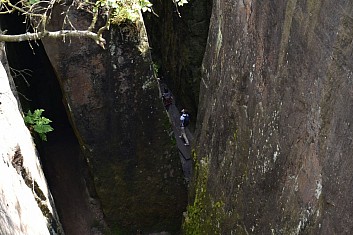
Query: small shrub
[[35, 122]]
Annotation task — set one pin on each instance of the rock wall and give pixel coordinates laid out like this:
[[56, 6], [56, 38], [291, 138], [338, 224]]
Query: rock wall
[[113, 100], [274, 134], [26, 205]]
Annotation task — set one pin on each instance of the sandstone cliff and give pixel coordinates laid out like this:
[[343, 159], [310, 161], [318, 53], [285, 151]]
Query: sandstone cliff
[[274, 139], [26, 204]]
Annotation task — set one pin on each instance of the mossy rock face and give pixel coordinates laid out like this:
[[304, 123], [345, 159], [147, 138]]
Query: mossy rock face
[[113, 101], [203, 213], [274, 118]]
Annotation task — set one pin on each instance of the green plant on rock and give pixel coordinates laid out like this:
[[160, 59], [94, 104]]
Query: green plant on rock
[[123, 10], [155, 68], [35, 122]]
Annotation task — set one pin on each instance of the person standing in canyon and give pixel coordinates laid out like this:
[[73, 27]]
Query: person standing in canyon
[[167, 98], [184, 122]]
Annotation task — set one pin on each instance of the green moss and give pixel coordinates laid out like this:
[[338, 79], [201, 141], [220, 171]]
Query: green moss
[[167, 126], [156, 68], [126, 10], [235, 135], [203, 215], [194, 156]]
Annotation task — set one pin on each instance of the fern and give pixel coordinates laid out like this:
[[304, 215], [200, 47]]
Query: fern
[[35, 122]]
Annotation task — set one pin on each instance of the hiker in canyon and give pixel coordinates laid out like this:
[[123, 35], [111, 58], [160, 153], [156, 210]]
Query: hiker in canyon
[[167, 98], [184, 122]]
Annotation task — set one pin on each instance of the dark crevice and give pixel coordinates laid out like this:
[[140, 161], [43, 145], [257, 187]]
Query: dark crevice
[[178, 45], [63, 164]]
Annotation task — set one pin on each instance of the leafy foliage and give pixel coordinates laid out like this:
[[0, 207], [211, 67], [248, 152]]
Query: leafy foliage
[[123, 10], [37, 123]]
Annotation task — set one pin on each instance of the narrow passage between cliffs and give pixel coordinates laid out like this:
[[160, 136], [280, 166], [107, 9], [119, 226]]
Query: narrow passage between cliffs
[[184, 151]]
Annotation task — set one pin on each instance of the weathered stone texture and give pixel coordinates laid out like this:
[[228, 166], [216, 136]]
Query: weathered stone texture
[[113, 100], [275, 114]]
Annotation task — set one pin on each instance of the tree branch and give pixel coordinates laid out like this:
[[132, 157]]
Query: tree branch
[[102, 29], [57, 34]]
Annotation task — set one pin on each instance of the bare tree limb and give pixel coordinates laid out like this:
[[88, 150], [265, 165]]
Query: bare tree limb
[[15, 7], [21, 73], [57, 34], [94, 21], [102, 29]]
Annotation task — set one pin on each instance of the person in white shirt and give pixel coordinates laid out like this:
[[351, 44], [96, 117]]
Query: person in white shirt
[[184, 122]]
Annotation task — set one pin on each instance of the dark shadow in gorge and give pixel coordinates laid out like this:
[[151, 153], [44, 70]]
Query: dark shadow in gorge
[[64, 167], [178, 39]]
